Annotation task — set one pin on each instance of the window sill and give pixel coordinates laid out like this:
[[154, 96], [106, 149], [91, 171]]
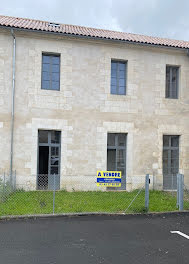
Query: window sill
[[171, 101], [50, 92], [117, 97], [169, 98]]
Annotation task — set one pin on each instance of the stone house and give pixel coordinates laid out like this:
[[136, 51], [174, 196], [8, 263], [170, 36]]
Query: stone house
[[75, 100]]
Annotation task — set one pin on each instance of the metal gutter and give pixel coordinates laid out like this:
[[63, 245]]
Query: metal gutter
[[13, 101], [95, 38]]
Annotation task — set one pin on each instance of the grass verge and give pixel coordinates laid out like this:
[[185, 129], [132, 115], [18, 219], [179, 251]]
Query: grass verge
[[41, 202]]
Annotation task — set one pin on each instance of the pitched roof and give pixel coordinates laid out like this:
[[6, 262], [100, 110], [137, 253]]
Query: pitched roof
[[38, 25]]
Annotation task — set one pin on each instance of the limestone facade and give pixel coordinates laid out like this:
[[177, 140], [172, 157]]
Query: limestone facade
[[85, 111]]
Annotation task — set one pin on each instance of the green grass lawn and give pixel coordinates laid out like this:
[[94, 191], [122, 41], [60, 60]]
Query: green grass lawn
[[41, 202]]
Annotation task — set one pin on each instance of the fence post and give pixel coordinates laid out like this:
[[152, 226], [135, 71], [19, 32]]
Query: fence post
[[3, 197], [54, 188], [14, 179], [147, 192], [181, 192], [172, 184], [178, 190]]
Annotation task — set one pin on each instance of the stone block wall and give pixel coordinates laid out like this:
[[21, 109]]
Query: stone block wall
[[85, 111]]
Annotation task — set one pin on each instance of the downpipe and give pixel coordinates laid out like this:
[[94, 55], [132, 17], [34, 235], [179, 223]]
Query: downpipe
[[12, 102]]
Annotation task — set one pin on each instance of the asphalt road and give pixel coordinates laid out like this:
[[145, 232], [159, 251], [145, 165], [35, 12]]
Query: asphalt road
[[95, 239]]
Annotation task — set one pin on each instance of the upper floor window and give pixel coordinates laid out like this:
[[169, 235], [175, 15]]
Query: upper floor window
[[172, 82], [50, 72], [118, 77]]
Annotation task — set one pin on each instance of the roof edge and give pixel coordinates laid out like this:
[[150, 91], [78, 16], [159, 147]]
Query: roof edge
[[94, 37]]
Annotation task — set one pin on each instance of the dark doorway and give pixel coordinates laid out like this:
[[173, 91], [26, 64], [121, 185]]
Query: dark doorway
[[43, 167], [48, 160]]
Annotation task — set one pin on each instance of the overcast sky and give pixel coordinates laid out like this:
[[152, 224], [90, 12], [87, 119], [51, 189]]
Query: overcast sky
[[164, 18]]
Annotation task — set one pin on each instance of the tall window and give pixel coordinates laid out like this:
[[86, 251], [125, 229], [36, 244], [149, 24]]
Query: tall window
[[170, 161], [116, 155], [118, 77], [50, 72], [172, 81]]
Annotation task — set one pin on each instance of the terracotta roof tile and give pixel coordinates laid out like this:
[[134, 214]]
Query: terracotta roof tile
[[31, 24]]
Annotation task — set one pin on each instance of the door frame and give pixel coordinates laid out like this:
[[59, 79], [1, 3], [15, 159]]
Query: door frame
[[49, 144], [116, 148], [170, 148]]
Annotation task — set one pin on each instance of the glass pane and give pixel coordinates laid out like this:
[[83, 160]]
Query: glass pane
[[165, 169], [174, 74], [122, 74], [54, 170], [165, 162], [121, 82], [54, 155], [46, 59], [174, 82], [122, 174], [54, 151], [113, 81], [55, 68], [113, 89], [111, 159], [121, 158], [113, 65], [174, 170], [113, 73], [43, 136], [121, 140], [121, 90], [46, 67], [120, 155], [55, 137], [55, 86], [122, 66], [46, 85], [166, 141], [168, 72], [174, 91], [165, 154], [175, 154], [55, 76], [111, 139], [55, 161], [174, 141], [55, 60], [45, 76], [167, 81], [174, 163]]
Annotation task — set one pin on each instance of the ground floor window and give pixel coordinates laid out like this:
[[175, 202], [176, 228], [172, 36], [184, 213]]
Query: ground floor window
[[48, 159], [116, 155], [170, 161]]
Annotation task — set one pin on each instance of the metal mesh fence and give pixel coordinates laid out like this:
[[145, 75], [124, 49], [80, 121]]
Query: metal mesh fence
[[49, 198], [168, 185], [186, 197], [83, 196]]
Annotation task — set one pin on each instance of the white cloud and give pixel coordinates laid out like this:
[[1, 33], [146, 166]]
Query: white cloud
[[164, 18]]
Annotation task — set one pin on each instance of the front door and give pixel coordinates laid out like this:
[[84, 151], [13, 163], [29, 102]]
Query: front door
[[170, 162], [116, 156], [48, 160]]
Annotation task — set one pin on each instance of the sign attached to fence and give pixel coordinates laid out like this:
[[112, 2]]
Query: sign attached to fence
[[109, 178]]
